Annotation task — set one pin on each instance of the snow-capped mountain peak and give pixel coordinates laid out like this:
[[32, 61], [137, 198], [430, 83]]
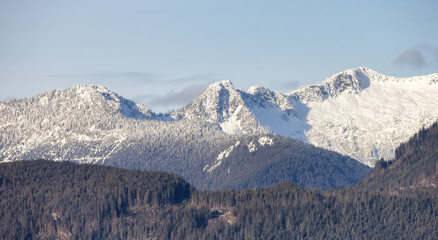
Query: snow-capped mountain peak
[[351, 81], [96, 94], [254, 90], [221, 84], [224, 105], [215, 104], [86, 98]]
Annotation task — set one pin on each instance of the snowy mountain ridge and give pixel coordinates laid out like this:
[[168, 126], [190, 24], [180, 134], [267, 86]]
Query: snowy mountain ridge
[[351, 81], [359, 112]]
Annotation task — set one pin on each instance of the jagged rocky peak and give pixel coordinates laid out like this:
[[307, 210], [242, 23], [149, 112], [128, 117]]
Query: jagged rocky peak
[[258, 90], [127, 107], [259, 95], [224, 83], [92, 88], [218, 88], [262, 97], [215, 104], [87, 91], [218, 93], [351, 81], [224, 105], [89, 94]]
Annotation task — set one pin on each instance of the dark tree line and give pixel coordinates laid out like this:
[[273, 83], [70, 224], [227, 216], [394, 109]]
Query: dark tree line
[[43, 199], [61, 200], [53, 200]]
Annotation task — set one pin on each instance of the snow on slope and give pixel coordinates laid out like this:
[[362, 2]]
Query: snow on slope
[[252, 147], [224, 105], [372, 123], [372, 115], [279, 122], [84, 123], [359, 112], [278, 112], [220, 157]]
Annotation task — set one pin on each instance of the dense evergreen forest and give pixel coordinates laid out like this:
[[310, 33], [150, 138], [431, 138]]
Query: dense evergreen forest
[[61, 200], [415, 165], [51, 200], [285, 160]]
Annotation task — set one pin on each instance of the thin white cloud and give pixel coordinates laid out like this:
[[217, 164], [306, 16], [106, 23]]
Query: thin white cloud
[[133, 76], [286, 86], [184, 96], [209, 77], [141, 98], [136, 77]]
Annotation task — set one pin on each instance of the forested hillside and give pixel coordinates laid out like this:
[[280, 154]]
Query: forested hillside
[[415, 165], [60, 200], [260, 161]]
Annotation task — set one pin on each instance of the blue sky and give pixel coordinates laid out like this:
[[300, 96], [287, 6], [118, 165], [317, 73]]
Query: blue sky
[[164, 53]]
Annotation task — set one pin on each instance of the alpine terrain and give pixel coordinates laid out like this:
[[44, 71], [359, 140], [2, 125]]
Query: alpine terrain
[[360, 112], [357, 113]]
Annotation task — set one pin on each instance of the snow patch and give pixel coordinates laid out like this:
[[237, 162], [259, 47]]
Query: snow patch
[[220, 157], [252, 147], [265, 140], [232, 125], [282, 122]]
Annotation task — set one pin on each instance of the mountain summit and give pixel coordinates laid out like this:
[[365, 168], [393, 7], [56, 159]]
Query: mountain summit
[[351, 81]]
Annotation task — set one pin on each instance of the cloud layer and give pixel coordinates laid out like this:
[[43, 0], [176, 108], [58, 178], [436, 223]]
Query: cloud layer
[[184, 96], [418, 57], [285, 86]]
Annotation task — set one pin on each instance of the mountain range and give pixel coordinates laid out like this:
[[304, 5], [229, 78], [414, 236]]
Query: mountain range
[[357, 113]]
